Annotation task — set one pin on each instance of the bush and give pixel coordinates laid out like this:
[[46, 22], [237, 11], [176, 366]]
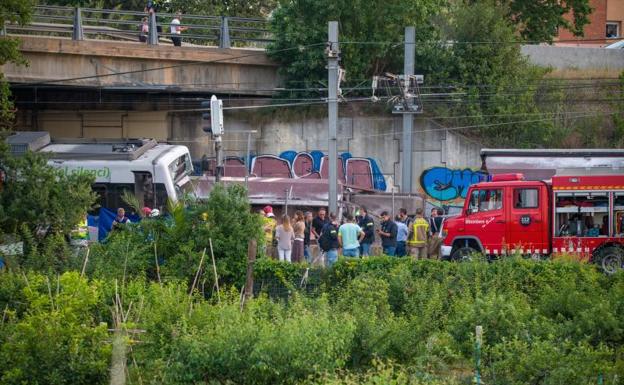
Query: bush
[[178, 241], [57, 341], [266, 343], [379, 320], [549, 362], [387, 373]]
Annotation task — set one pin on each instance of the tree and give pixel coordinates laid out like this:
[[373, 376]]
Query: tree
[[494, 83], [370, 32], [11, 11], [131, 5], [35, 194], [239, 8], [538, 21]]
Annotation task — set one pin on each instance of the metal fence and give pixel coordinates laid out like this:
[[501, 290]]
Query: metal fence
[[108, 24]]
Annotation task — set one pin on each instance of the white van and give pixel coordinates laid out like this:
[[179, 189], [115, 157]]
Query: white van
[[151, 171]]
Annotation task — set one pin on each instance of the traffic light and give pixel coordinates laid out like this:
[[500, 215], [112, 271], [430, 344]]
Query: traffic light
[[207, 127], [213, 120]]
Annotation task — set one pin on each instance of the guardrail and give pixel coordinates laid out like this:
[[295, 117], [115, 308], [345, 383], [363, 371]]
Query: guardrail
[[150, 28]]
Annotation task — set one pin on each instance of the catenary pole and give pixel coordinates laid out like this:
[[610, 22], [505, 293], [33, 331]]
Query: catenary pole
[[332, 112], [408, 118]]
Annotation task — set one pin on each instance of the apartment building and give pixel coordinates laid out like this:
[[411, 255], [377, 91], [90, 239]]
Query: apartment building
[[605, 25]]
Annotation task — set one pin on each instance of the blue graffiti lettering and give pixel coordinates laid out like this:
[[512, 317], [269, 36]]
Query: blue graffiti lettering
[[445, 184]]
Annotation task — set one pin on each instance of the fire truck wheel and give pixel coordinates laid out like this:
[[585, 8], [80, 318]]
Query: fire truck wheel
[[610, 259], [463, 254]]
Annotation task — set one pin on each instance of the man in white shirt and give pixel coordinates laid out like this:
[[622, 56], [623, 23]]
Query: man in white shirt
[[176, 30]]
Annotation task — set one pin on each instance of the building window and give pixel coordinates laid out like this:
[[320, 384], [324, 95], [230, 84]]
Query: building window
[[613, 29]]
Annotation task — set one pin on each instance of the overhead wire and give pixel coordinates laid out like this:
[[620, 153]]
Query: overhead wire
[[510, 91]]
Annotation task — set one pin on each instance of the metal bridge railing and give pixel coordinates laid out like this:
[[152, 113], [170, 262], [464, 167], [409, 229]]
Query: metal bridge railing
[[107, 24]]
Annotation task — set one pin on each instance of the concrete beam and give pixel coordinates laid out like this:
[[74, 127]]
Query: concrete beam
[[201, 69]]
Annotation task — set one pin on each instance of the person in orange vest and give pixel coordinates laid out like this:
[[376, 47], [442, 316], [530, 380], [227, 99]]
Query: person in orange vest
[[418, 237]]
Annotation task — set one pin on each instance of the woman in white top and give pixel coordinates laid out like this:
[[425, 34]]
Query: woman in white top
[[176, 30], [285, 236]]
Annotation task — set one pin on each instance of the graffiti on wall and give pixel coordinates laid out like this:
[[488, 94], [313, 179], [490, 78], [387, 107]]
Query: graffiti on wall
[[359, 172], [445, 184]]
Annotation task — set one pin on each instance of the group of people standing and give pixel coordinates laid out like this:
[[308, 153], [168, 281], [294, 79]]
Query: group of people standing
[[175, 26], [291, 237], [399, 236]]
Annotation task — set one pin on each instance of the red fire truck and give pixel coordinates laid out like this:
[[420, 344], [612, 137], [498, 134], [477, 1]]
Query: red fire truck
[[580, 215]]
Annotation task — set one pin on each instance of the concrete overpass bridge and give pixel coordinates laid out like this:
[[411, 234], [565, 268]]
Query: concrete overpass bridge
[[90, 75], [60, 62]]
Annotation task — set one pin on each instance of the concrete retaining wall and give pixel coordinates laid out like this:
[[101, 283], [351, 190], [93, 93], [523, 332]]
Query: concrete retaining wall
[[375, 137], [587, 61]]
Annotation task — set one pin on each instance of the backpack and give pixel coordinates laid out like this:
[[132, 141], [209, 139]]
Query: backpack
[[326, 239]]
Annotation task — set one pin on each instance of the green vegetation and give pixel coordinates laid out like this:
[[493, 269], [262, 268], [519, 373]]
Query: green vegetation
[[178, 242], [19, 12], [540, 21], [373, 321], [40, 206], [37, 195], [477, 80], [495, 83], [238, 8], [370, 32], [151, 290]]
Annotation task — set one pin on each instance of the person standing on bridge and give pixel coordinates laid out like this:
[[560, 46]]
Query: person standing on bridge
[[144, 28], [176, 30]]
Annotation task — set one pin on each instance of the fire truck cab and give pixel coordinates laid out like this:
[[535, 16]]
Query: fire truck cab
[[580, 215]]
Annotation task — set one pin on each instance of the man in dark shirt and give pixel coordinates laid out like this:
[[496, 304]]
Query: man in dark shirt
[[318, 223], [330, 243], [388, 234], [435, 221], [367, 225], [435, 226]]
